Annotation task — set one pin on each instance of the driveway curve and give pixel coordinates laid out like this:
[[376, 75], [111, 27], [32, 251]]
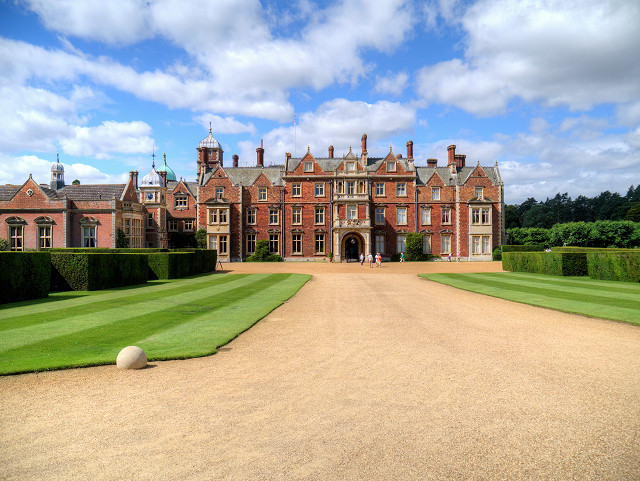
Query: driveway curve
[[364, 374]]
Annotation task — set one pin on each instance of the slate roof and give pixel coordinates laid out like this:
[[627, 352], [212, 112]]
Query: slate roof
[[425, 173], [91, 191], [7, 191]]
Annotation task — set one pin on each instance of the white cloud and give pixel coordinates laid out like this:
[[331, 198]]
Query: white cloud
[[224, 125], [391, 84], [110, 137], [629, 114], [571, 53]]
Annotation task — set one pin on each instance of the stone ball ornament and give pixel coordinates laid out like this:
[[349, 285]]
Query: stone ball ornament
[[131, 357]]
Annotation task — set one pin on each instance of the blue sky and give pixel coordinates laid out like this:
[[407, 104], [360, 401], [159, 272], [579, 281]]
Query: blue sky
[[548, 89]]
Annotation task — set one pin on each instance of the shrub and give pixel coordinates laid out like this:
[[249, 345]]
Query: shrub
[[171, 265], [262, 253], [415, 247], [90, 271], [4, 245], [24, 275], [395, 257], [614, 265], [201, 238], [497, 254], [121, 239], [529, 236]]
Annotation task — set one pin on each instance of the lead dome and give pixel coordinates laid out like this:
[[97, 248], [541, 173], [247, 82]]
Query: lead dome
[[152, 178], [209, 142]]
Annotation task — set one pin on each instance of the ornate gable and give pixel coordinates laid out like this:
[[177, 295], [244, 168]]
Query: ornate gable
[[262, 181]]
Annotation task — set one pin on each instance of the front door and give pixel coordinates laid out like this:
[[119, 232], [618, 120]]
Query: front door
[[351, 249]]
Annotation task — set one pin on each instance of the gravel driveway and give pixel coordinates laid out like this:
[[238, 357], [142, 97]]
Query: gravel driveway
[[364, 374]]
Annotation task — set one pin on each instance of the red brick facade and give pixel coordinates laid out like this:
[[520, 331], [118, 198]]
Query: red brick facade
[[307, 208]]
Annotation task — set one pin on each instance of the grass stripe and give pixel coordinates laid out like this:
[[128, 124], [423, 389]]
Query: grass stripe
[[80, 322], [581, 290], [203, 324], [593, 306], [584, 282], [111, 298]]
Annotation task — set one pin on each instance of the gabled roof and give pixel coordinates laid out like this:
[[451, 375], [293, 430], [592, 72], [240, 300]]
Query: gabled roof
[[7, 191], [463, 174], [248, 175], [91, 192]]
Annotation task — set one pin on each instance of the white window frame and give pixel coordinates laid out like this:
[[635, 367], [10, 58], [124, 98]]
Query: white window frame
[[391, 166], [380, 215], [319, 243], [380, 189], [188, 225], [296, 190], [274, 241], [351, 166], [16, 237], [479, 192], [352, 212], [172, 225], [296, 215], [380, 243], [319, 216], [401, 189], [44, 236], [274, 217], [150, 220], [445, 243], [401, 243], [262, 194], [319, 189], [425, 216], [401, 216], [486, 244], [251, 216], [296, 244], [435, 193], [308, 166], [250, 244], [181, 202], [92, 237], [486, 216], [445, 216], [223, 243], [219, 192], [426, 244], [351, 187]]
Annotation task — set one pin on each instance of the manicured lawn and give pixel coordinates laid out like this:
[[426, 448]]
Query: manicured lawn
[[174, 319], [619, 301]]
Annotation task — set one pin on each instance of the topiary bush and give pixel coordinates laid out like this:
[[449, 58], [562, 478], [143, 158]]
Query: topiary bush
[[262, 253], [497, 254], [201, 238]]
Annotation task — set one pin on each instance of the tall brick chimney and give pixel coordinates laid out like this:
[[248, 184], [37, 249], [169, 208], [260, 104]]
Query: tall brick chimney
[[331, 151], [451, 150], [260, 151], [410, 149], [364, 143], [133, 175], [235, 160], [163, 174], [460, 160], [432, 163]]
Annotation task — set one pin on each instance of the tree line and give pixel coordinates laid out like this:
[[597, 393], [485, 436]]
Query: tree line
[[562, 209]]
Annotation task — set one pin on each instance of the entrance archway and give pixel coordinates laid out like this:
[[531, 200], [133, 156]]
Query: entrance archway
[[352, 246]]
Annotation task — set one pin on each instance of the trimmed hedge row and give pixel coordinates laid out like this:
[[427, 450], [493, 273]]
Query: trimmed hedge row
[[614, 266], [550, 263], [185, 262], [92, 271], [527, 248], [24, 276]]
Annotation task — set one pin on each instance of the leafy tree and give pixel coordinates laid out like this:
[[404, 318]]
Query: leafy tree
[[633, 214], [76, 182], [262, 253], [511, 216], [201, 238], [4, 244], [122, 241], [538, 216], [414, 247], [571, 234]]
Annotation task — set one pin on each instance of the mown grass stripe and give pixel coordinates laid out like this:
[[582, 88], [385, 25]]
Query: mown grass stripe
[[585, 282], [98, 304], [100, 344], [81, 298], [22, 336], [540, 297], [582, 289]]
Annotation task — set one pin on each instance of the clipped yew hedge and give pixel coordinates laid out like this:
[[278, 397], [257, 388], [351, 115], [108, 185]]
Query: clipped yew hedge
[[550, 263], [24, 276], [205, 260], [614, 265], [171, 265], [91, 271], [527, 248]]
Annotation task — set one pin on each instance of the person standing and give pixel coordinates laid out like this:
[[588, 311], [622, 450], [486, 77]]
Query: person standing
[[361, 259], [378, 260], [370, 259], [402, 257]]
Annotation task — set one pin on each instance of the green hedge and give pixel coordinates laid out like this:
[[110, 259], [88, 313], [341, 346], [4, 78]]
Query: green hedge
[[550, 263], [171, 265], [590, 249], [24, 275], [205, 259], [91, 271], [614, 265], [519, 248]]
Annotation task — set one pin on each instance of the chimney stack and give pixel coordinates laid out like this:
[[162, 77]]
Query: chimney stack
[[364, 143], [460, 160], [163, 174], [432, 163], [260, 151], [410, 150], [133, 175], [451, 150], [398, 156], [331, 151], [235, 160]]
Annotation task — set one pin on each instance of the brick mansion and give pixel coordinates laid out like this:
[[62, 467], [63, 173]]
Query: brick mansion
[[306, 208]]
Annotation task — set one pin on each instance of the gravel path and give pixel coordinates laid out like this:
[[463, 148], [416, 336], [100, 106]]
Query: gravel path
[[364, 374]]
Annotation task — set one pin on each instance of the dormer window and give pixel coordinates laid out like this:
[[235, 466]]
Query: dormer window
[[351, 166], [391, 166], [479, 192], [219, 192], [308, 166]]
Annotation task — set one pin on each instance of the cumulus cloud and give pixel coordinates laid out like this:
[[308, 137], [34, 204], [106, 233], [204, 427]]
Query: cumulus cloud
[[569, 53], [110, 137], [391, 84], [224, 125]]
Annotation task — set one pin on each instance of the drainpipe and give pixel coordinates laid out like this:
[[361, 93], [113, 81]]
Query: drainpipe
[[331, 217], [457, 218], [415, 203], [241, 209], [282, 224]]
